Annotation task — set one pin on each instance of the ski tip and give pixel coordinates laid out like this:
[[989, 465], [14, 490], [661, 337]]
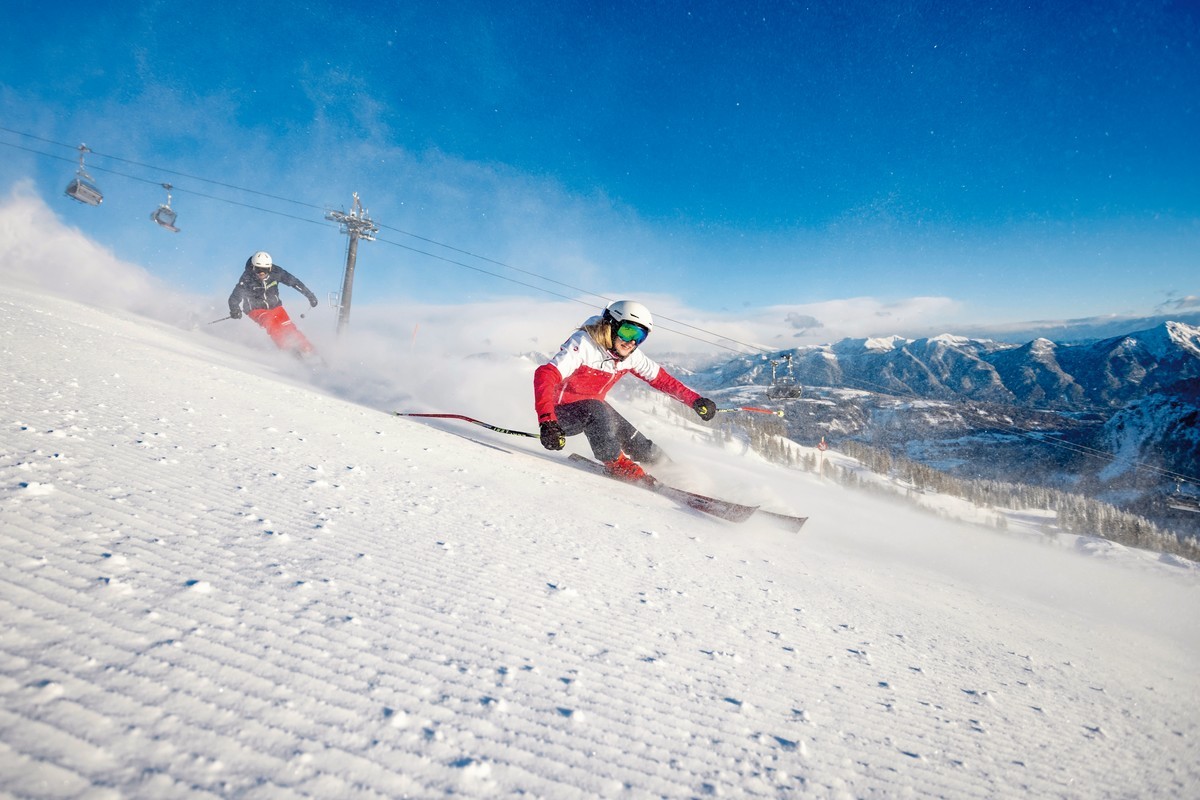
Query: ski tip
[[792, 523]]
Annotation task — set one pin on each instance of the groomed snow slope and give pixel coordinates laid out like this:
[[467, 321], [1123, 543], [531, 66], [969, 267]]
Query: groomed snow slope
[[220, 579]]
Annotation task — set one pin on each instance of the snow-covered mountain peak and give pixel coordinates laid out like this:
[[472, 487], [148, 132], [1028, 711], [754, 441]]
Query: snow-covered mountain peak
[[950, 339], [1168, 341], [884, 343], [1185, 336]]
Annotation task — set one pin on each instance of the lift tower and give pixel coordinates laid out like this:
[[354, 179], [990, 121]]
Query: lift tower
[[357, 225]]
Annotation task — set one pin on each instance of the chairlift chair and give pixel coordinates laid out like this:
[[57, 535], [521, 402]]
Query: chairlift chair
[[82, 188], [164, 215], [1183, 502], [783, 387]]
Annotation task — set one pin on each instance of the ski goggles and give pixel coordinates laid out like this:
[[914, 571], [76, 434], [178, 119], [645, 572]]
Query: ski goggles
[[632, 332]]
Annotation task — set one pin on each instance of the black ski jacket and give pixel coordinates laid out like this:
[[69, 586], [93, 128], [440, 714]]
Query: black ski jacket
[[253, 293]]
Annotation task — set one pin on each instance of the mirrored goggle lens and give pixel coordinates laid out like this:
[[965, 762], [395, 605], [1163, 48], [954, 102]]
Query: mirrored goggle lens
[[631, 332]]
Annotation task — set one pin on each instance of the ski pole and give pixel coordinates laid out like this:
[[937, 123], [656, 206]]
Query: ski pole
[[466, 419], [222, 319], [755, 409]]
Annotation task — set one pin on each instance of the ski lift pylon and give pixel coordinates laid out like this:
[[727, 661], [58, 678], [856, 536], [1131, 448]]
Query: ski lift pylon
[[164, 215], [82, 187]]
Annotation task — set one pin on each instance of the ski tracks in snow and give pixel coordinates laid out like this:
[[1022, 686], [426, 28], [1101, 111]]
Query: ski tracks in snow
[[218, 583]]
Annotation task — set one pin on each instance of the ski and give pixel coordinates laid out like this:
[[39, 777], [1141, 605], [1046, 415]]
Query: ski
[[726, 510], [789, 521], [733, 512]]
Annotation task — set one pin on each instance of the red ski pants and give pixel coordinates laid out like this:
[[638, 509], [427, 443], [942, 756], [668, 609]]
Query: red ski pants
[[281, 329]]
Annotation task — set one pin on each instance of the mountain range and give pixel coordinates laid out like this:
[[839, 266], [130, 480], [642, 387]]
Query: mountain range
[[1078, 416], [1105, 374]]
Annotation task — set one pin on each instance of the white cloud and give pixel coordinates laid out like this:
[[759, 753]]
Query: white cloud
[[1189, 302], [38, 248]]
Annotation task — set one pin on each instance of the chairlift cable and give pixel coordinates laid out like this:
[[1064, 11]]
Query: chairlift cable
[[483, 271], [719, 344], [175, 188], [719, 340], [574, 288], [1044, 439], [538, 288], [759, 349], [155, 168]]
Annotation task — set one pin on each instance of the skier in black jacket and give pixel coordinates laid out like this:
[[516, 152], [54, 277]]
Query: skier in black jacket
[[257, 294]]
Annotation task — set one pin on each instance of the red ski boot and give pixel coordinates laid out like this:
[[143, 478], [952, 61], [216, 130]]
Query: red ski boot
[[626, 469]]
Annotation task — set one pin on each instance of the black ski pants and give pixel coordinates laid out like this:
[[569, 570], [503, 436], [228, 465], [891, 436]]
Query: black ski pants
[[607, 431]]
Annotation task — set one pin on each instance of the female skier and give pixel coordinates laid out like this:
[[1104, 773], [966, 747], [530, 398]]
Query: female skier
[[568, 392]]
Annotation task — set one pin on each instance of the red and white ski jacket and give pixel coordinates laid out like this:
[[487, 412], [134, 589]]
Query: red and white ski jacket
[[582, 370]]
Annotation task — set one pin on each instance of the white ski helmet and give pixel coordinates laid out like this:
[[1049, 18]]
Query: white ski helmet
[[630, 311], [261, 260]]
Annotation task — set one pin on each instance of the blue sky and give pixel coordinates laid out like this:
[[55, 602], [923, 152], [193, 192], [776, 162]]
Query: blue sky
[[1018, 162]]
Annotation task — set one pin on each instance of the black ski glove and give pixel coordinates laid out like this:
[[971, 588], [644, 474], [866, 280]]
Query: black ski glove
[[706, 408], [312, 301], [553, 437], [235, 313]]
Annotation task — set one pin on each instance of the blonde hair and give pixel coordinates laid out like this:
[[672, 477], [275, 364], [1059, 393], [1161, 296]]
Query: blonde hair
[[601, 333]]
